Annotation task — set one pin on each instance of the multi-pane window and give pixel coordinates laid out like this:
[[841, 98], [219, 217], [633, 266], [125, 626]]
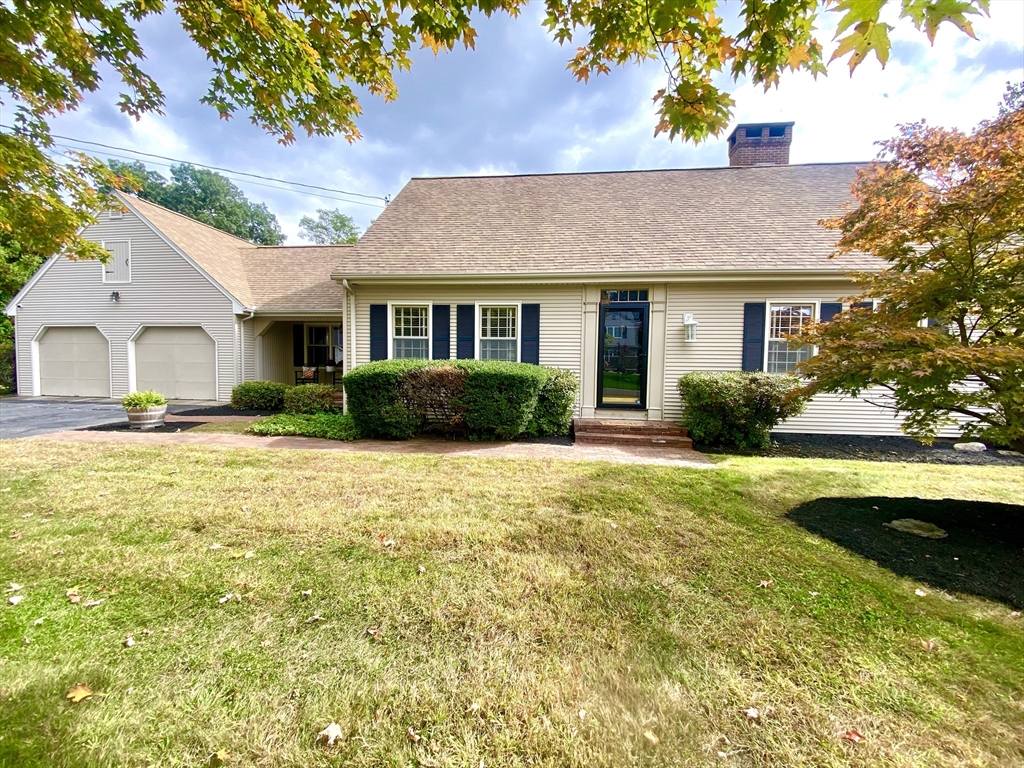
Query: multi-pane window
[[410, 337], [498, 336], [623, 295], [118, 268], [785, 320], [317, 346]]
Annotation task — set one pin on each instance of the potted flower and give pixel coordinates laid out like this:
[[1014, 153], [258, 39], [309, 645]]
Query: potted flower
[[331, 365], [145, 410]]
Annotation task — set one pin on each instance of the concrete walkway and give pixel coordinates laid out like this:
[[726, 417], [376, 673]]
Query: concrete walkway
[[670, 457]]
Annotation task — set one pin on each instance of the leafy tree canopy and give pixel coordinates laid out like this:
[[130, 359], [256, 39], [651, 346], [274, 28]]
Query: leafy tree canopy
[[16, 267], [203, 195], [329, 228], [945, 211], [297, 66]]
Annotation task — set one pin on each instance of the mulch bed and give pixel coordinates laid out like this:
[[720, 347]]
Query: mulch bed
[[124, 426], [982, 555], [883, 449], [219, 410]]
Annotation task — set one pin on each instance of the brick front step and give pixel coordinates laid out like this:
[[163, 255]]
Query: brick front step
[[622, 432]]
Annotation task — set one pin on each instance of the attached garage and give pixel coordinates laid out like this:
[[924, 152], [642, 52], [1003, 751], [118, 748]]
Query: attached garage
[[74, 362], [179, 362]]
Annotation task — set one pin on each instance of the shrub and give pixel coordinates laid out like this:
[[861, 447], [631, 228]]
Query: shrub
[[148, 399], [332, 426], [258, 396], [397, 399], [738, 410], [555, 404], [309, 398], [6, 365], [501, 398]]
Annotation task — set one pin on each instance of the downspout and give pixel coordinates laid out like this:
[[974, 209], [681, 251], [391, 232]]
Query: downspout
[[351, 296]]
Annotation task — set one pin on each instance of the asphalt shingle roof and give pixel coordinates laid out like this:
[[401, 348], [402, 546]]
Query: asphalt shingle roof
[[759, 218]]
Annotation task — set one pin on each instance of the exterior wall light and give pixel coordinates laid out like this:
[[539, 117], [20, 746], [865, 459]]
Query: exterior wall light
[[115, 296], [689, 328]]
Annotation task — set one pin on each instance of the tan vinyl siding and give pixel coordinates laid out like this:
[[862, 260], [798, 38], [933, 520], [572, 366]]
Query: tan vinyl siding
[[718, 308], [248, 351], [164, 290], [561, 314], [277, 352]]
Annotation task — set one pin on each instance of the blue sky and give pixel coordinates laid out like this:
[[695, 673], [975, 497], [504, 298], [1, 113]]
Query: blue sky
[[510, 106]]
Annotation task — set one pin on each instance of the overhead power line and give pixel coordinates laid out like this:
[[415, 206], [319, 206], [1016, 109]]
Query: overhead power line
[[211, 167]]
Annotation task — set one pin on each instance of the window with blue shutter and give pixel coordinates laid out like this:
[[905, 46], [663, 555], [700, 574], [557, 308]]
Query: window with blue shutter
[[378, 331], [829, 309], [465, 331], [298, 345], [531, 333], [442, 330], [754, 315]]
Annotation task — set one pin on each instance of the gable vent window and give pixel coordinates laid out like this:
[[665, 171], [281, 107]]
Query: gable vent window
[[785, 320], [118, 268], [411, 338], [499, 337], [623, 295]]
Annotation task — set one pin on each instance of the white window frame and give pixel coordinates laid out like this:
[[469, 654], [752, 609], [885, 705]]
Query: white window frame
[[429, 305], [114, 215], [478, 325], [103, 267], [815, 305]]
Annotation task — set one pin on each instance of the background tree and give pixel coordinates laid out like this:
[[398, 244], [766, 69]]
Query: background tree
[[16, 267], [945, 211], [329, 228], [203, 195], [297, 66]]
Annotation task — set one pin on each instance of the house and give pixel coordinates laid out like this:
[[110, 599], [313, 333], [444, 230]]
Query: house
[[629, 279]]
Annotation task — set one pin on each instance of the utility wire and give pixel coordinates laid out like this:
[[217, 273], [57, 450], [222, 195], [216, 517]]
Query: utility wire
[[210, 167]]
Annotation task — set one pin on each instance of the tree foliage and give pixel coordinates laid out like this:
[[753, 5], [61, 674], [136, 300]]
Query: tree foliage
[[16, 267], [330, 227], [298, 65], [945, 211], [203, 195]]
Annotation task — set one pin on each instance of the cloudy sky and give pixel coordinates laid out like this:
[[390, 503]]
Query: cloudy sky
[[510, 106]]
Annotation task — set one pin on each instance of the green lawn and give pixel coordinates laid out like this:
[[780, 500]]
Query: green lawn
[[523, 613]]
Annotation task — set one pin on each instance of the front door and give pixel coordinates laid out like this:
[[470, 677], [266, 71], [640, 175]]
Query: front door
[[622, 364]]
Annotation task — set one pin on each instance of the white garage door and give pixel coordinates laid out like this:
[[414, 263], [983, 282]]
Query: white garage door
[[74, 362], [179, 363]]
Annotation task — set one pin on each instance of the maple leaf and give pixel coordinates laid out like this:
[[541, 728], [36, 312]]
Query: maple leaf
[[15, 599], [764, 584], [93, 603], [129, 641], [853, 735], [330, 735], [13, 588], [78, 693], [15, 534], [752, 713], [649, 735], [219, 758], [414, 737]]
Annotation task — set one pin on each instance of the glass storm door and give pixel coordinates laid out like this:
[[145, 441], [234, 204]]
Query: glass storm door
[[622, 366]]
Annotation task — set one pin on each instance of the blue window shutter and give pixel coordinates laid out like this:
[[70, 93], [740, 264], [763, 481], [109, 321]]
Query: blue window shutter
[[298, 345], [442, 322], [531, 334], [465, 329], [378, 331], [830, 309], [863, 305], [753, 336]]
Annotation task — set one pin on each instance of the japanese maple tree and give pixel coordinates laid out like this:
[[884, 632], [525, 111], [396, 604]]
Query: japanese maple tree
[[944, 212]]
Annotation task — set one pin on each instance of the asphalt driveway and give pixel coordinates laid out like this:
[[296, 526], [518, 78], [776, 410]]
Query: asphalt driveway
[[24, 417]]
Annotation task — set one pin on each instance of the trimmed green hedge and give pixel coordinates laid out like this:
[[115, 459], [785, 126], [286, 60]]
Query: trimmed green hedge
[[258, 396], [738, 410], [332, 426], [310, 398], [396, 399]]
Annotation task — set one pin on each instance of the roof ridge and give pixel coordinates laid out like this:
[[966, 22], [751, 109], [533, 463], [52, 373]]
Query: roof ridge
[[637, 171], [189, 219]]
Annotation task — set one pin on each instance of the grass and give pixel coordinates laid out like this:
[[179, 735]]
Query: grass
[[525, 613], [224, 427]]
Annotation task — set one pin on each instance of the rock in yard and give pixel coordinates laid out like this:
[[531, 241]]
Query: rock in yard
[[970, 447], [917, 528]]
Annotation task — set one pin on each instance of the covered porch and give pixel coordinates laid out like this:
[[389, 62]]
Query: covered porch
[[299, 349]]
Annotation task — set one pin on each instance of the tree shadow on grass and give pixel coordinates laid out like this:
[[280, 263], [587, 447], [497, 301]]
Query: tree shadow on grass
[[982, 555]]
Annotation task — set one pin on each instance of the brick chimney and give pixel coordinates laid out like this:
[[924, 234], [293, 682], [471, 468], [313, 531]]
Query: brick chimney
[[760, 144]]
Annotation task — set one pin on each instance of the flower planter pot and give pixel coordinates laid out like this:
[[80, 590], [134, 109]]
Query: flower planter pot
[[330, 368], [146, 418]]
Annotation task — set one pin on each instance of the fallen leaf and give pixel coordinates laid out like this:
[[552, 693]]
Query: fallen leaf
[[314, 619], [474, 707], [374, 632], [14, 587], [147, 631], [813, 594], [649, 735], [583, 714], [38, 621], [614, 526], [920, 592], [331, 734], [15, 534], [421, 569], [226, 597], [722, 754], [93, 603], [1014, 614], [5, 490], [25, 641], [74, 598], [414, 737], [764, 584], [216, 546], [248, 555], [752, 713], [293, 693], [389, 544], [129, 641], [306, 593], [15, 599], [103, 493], [79, 693], [853, 735], [928, 645], [220, 758]]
